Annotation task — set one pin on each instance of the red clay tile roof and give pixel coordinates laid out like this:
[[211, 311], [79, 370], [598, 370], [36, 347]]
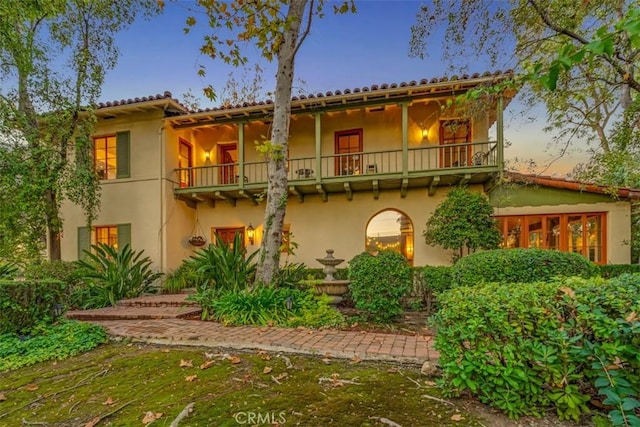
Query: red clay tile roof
[[320, 95], [568, 184]]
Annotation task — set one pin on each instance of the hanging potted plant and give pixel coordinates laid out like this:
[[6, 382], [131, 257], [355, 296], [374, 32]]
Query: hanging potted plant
[[197, 236]]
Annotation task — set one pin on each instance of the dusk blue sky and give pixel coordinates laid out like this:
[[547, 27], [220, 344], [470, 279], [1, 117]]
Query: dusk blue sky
[[342, 51]]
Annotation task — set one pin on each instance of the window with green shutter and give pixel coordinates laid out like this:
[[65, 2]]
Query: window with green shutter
[[111, 156], [84, 241], [114, 235]]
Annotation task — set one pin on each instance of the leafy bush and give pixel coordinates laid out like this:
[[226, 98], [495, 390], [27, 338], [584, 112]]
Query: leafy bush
[[527, 347], [223, 266], [57, 341], [25, 304], [435, 279], [8, 271], [290, 275], [378, 283], [614, 270], [112, 275], [64, 271], [317, 273], [520, 266], [264, 306], [183, 277]]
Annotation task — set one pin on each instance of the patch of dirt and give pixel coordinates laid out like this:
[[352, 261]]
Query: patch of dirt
[[408, 323]]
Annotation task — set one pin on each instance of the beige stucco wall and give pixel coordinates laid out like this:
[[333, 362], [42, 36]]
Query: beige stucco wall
[[618, 223], [338, 224], [135, 200]]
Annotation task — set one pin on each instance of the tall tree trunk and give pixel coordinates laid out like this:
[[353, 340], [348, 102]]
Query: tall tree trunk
[[53, 226], [277, 192]]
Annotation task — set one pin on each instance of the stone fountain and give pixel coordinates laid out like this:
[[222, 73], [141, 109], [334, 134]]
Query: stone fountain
[[330, 286]]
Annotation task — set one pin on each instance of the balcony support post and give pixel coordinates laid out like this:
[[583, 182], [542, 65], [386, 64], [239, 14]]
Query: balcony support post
[[241, 173], [500, 136], [405, 140], [318, 141]]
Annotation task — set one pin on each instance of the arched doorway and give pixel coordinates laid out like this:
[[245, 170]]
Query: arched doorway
[[390, 230]]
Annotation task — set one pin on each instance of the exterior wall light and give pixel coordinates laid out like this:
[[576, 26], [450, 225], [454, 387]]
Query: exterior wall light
[[425, 133], [251, 234], [207, 154]]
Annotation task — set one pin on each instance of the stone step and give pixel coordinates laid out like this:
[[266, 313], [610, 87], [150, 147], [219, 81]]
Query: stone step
[[165, 300], [120, 312]]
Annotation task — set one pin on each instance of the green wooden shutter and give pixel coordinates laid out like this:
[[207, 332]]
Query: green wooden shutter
[[124, 235], [84, 241], [123, 157]]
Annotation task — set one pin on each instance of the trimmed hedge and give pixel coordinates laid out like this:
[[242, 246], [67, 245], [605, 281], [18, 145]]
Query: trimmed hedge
[[24, 304], [529, 347], [378, 282], [614, 270], [520, 266]]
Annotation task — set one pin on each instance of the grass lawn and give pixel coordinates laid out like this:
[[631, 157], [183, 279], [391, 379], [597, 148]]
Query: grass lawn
[[121, 385]]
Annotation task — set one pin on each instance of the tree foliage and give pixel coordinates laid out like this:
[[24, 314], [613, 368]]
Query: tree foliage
[[586, 54], [53, 57], [462, 221], [277, 28]]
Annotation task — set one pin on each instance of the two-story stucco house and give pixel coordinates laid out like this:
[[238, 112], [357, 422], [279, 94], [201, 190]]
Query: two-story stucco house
[[366, 168]]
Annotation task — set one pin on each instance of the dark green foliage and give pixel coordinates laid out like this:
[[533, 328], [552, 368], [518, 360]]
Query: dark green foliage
[[290, 275], [529, 347], [614, 270], [463, 221], [57, 341], [223, 266], [435, 279], [8, 271], [317, 273], [114, 274], [378, 283], [64, 271], [25, 304], [183, 277], [520, 266], [264, 306]]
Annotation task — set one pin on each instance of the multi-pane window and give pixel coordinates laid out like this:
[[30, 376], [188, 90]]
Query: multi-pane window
[[454, 132], [348, 149], [111, 156], [107, 235], [578, 233], [105, 156]]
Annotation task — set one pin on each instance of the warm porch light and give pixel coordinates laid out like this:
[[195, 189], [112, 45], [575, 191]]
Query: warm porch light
[[251, 233], [207, 154], [425, 133]]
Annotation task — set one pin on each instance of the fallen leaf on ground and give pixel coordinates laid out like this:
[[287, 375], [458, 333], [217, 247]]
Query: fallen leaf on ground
[[326, 360], [282, 375], [631, 317], [267, 369], [207, 364], [31, 387], [457, 417], [235, 360], [93, 422], [190, 378], [2, 397], [109, 401], [165, 350], [151, 416], [265, 357], [186, 363], [356, 359], [209, 355], [430, 383]]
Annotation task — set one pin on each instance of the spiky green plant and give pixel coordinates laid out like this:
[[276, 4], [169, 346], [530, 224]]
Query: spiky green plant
[[8, 271], [223, 266], [112, 275]]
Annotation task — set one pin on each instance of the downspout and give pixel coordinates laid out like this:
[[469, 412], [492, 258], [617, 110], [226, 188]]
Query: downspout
[[160, 180]]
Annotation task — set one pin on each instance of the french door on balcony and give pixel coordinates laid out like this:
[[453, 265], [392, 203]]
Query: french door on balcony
[[185, 160], [455, 131], [228, 161], [348, 146]]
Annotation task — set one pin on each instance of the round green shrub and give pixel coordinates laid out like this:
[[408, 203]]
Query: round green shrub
[[520, 266], [378, 283]]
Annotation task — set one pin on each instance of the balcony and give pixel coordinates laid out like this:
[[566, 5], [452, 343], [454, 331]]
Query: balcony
[[399, 170]]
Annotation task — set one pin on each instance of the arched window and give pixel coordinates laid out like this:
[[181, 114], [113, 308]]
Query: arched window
[[390, 230]]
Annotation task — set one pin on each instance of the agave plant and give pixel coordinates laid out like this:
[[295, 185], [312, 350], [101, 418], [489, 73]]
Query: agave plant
[[223, 266], [113, 274]]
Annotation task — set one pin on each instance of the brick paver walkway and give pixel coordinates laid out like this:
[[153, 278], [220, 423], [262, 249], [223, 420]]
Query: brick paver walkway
[[413, 349], [169, 319]]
